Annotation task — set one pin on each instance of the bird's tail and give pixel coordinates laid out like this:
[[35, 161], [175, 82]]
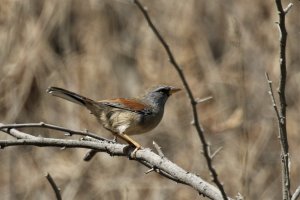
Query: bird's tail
[[68, 95]]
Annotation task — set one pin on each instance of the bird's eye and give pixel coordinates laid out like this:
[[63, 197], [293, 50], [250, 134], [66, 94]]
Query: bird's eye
[[164, 91]]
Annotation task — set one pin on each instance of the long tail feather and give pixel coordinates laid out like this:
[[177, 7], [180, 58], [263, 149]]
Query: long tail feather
[[68, 95]]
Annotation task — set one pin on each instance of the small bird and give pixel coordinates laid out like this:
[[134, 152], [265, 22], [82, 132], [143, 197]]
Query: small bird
[[124, 116]]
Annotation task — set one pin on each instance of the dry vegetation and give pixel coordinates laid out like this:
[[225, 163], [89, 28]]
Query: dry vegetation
[[104, 49]]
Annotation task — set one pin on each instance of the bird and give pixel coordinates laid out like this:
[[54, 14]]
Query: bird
[[124, 117]]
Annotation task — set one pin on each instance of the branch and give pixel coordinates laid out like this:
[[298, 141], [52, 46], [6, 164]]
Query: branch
[[88, 156], [146, 157], [285, 158], [54, 127], [271, 93], [54, 186], [193, 102], [296, 193]]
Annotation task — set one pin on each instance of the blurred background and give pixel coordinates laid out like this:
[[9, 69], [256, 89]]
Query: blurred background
[[105, 49]]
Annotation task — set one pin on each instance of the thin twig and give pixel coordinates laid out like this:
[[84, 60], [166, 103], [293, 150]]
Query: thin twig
[[296, 193], [216, 152], [202, 100], [54, 186], [271, 93], [287, 9], [285, 158], [54, 127], [158, 149], [147, 157], [193, 102], [149, 170]]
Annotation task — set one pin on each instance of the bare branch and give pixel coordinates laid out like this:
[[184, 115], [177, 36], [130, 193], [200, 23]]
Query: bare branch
[[285, 158], [68, 132], [193, 102], [145, 156], [271, 93], [162, 173], [54, 186]]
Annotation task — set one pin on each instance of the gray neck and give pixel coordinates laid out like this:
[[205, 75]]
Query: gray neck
[[157, 100]]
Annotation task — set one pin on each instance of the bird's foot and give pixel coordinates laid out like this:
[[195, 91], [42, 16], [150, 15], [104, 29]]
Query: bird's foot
[[133, 154]]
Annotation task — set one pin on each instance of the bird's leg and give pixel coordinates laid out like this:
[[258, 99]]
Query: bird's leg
[[130, 141]]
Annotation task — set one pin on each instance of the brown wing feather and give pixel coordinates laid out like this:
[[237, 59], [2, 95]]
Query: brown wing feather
[[122, 103]]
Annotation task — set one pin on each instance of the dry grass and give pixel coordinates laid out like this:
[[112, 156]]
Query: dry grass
[[104, 49]]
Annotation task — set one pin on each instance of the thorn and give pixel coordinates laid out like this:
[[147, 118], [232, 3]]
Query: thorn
[[89, 155], [216, 152], [287, 9], [68, 134], [148, 171], [198, 100], [158, 149]]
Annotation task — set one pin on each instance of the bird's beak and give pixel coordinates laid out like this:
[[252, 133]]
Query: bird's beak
[[174, 90]]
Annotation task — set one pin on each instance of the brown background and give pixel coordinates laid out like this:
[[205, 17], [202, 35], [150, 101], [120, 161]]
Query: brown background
[[105, 49]]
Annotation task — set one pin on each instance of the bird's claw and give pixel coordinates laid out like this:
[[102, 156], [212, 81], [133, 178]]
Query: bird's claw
[[133, 154]]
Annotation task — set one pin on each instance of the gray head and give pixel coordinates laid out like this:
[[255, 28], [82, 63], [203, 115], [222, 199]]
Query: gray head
[[157, 96]]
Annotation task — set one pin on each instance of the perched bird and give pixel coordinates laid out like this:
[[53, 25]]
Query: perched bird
[[122, 116]]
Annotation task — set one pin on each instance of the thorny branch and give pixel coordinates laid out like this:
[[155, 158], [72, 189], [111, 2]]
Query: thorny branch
[[68, 132], [146, 157], [88, 156], [271, 93], [193, 101], [285, 158]]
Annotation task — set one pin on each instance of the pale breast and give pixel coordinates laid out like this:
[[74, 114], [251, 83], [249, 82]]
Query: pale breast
[[145, 124], [131, 123]]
